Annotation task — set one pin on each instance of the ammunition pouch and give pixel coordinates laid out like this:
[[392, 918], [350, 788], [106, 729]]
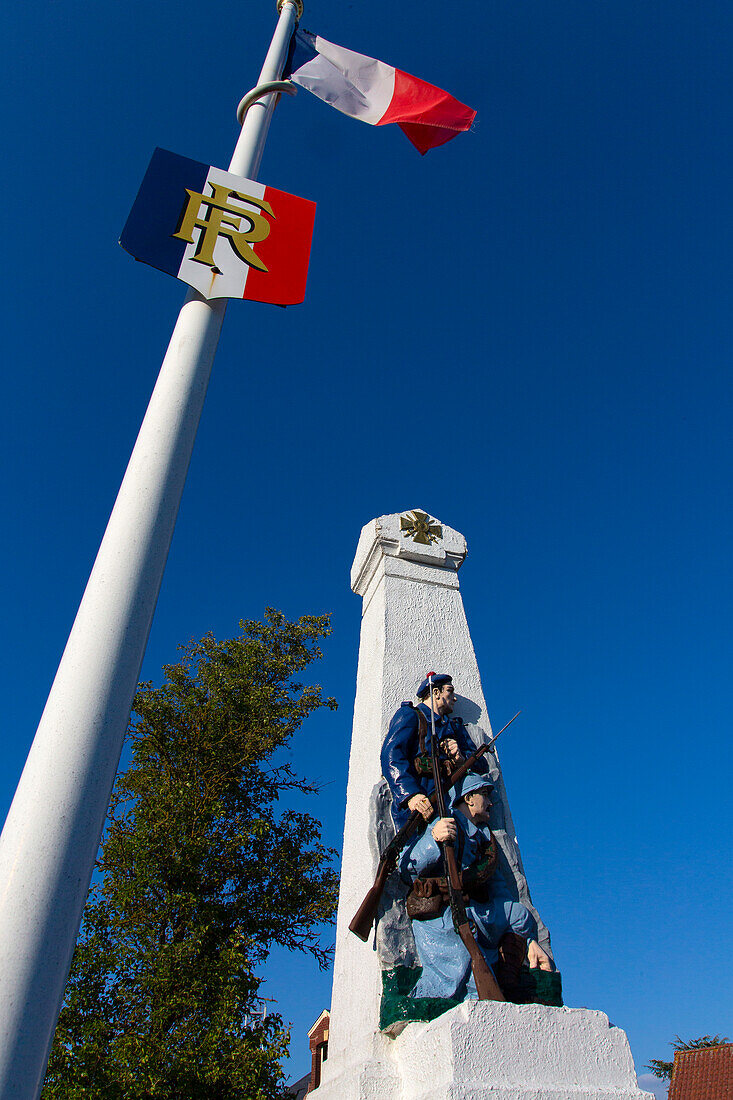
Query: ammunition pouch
[[477, 879], [427, 898], [423, 763], [423, 766]]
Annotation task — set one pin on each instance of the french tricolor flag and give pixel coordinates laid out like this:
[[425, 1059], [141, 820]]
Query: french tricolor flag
[[367, 89]]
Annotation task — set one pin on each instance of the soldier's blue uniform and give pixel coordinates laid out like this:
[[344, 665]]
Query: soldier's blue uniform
[[402, 745], [446, 964]]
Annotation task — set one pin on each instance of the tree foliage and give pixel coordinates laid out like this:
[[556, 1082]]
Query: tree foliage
[[201, 871], [664, 1069]]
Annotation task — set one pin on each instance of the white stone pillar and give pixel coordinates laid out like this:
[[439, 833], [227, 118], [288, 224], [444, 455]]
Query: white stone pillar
[[406, 571]]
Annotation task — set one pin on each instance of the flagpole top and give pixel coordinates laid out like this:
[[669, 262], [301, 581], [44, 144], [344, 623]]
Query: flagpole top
[[298, 3]]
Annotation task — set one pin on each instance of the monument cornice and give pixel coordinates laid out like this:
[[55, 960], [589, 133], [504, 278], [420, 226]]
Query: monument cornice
[[413, 536]]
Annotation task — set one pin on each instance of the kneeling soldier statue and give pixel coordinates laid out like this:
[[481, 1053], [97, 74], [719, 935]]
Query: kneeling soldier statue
[[504, 929]]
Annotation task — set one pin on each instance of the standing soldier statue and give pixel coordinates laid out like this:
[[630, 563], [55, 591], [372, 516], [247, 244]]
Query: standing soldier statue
[[406, 761]]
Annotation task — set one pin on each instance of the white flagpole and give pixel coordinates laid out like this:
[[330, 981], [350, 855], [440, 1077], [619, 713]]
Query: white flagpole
[[51, 835]]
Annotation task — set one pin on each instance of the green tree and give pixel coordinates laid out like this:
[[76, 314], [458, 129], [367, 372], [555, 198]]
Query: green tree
[[664, 1069], [204, 866]]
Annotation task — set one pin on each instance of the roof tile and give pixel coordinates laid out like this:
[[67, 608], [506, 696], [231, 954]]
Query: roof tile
[[704, 1074]]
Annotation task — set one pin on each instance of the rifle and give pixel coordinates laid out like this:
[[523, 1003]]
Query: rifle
[[366, 914], [487, 986]]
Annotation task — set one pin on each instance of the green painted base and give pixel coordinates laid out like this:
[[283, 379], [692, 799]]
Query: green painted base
[[538, 987], [535, 987], [398, 1005]]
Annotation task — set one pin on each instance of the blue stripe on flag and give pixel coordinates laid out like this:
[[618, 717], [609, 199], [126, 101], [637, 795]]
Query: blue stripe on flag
[[302, 50], [157, 208]]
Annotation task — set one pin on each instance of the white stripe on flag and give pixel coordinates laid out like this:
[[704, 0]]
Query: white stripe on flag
[[359, 86]]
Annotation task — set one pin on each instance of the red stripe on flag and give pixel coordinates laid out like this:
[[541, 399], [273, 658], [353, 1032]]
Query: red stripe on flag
[[427, 115], [285, 251]]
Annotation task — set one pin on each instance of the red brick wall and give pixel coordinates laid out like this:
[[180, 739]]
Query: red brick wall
[[318, 1046]]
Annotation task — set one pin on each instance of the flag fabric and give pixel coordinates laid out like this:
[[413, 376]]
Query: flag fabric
[[374, 92], [224, 235]]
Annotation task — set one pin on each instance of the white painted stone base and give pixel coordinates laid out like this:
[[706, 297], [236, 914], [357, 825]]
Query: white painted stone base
[[487, 1051]]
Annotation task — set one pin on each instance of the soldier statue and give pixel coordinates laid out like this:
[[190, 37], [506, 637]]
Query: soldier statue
[[406, 749], [503, 929]]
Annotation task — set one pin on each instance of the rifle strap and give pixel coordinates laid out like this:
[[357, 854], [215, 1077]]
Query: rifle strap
[[422, 725]]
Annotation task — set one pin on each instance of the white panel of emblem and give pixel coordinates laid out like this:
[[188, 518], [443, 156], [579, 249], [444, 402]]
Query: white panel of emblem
[[229, 276]]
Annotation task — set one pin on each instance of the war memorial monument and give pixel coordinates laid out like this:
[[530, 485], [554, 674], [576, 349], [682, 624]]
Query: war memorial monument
[[445, 986]]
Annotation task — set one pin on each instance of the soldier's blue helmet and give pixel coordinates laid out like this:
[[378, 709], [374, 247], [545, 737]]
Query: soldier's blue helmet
[[439, 678], [470, 783]]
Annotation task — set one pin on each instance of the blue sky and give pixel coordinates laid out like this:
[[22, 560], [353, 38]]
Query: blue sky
[[527, 333]]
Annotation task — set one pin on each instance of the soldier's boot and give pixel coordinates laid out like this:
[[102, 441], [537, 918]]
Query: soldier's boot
[[512, 953]]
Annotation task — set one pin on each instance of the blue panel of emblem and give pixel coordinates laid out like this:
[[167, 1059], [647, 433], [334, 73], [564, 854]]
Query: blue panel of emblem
[[154, 216]]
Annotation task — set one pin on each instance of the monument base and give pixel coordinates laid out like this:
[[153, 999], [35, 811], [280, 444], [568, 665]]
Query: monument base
[[482, 1050]]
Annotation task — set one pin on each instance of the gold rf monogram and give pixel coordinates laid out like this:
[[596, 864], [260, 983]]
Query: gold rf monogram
[[222, 219]]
